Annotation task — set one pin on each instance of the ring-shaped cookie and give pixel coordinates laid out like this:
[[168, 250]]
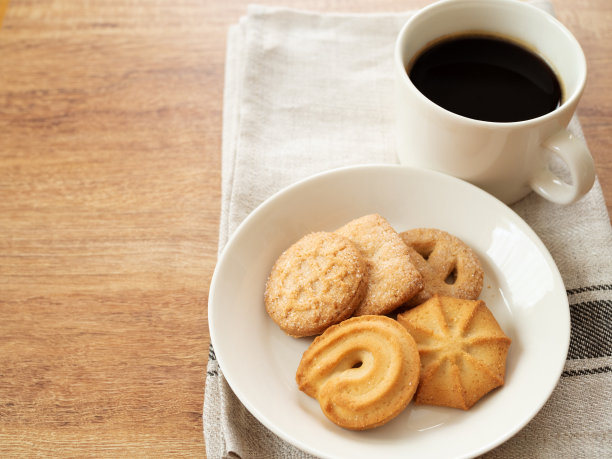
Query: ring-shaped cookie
[[449, 266]]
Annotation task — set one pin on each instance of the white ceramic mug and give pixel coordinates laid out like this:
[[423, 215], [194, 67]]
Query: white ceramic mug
[[506, 159]]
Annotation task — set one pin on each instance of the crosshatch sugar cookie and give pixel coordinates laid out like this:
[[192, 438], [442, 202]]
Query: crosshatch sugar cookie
[[462, 349], [448, 266], [363, 371], [393, 279], [317, 282]]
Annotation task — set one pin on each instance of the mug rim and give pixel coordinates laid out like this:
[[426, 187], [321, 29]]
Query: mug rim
[[567, 104]]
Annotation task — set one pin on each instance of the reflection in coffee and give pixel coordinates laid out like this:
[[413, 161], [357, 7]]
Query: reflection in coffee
[[486, 78]]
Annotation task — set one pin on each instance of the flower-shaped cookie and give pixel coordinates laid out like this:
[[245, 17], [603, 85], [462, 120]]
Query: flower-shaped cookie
[[462, 348]]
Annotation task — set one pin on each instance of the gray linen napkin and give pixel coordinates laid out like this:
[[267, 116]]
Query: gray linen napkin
[[308, 92]]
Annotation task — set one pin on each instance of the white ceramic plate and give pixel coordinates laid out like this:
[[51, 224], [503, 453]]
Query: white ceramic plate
[[522, 288]]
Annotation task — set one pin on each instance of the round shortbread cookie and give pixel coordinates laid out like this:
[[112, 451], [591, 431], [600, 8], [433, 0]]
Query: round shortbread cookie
[[317, 282], [449, 266], [363, 371]]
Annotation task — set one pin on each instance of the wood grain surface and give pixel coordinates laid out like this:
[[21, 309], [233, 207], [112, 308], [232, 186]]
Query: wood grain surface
[[110, 144]]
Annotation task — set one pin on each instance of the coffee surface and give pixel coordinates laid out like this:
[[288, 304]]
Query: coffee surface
[[486, 78]]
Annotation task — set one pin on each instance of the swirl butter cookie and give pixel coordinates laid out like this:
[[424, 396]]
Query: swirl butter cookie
[[317, 282], [393, 279], [462, 349], [363, 371], [448, 266]]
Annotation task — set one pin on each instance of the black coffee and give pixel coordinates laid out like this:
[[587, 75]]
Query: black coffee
[[486, 78]]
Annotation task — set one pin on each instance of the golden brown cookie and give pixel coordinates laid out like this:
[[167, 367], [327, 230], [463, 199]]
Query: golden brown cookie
[[363, 371], [448, 266], [462, 348], [393, 279], [317, 282]]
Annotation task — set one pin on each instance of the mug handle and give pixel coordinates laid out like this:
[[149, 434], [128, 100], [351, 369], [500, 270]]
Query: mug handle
[[574, 152]]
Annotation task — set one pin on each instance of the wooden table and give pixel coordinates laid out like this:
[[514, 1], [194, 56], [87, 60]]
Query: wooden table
[[110, 139]]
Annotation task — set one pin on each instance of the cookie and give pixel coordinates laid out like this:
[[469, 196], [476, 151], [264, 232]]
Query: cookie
[[462, 350], [363, 371], [448, 266], [393, 279], [317, 282]]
